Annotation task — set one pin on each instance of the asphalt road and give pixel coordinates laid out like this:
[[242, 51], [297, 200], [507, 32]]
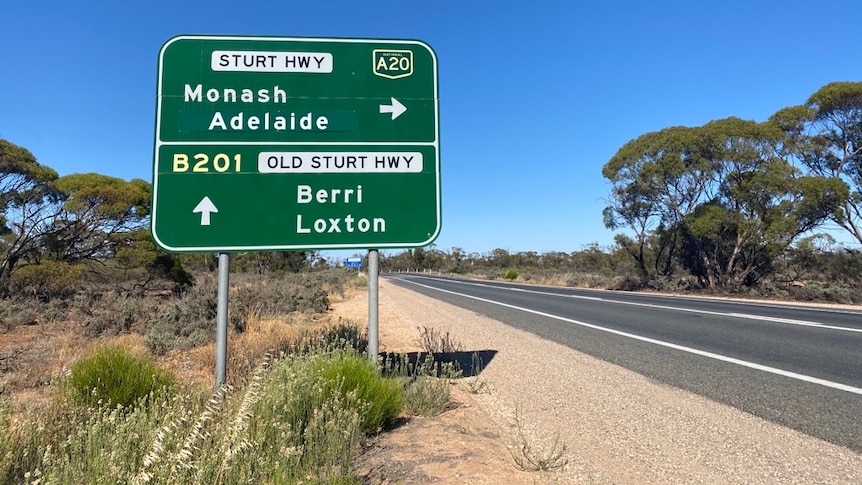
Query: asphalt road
[[797, 366]]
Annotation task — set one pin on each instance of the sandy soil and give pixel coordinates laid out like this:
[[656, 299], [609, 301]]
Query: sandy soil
[[618, 427]]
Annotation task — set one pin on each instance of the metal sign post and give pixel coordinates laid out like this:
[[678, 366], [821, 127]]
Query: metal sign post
[[221, 318], [373, 281]]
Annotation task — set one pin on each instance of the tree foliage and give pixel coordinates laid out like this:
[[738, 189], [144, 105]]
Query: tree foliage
[[135, 251], [95, 208], [722, 197], [826, 138], [52, 223], [25, 190]]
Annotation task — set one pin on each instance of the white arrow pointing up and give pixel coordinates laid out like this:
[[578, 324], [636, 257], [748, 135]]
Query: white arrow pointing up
[[205, 207], [396, 108]]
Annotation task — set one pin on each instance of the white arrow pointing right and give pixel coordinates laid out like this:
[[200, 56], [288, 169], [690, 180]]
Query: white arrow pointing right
[[205, 207], [396, 108]]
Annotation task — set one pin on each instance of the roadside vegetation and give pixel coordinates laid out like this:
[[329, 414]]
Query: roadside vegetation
[[301, 398], [107, 350], [297, 417], [109, 337], [815, 269], [731, 207]]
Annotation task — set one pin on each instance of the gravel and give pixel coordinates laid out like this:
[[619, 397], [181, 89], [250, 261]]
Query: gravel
[[620, 427]]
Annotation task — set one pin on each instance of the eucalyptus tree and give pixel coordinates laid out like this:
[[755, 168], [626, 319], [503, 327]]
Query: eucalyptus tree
[[94, 209], [25, 187], [826, 138], [720, 198], [67, 219], [657, 179]]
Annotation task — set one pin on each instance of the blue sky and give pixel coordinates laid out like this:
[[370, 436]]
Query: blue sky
[[534, 96]]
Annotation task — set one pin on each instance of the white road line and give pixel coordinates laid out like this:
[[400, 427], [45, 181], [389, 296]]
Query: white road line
[[788, 321], [702, 353], [747, 316]]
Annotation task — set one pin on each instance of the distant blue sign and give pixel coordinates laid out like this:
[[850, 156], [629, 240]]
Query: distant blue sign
[[353, 262]]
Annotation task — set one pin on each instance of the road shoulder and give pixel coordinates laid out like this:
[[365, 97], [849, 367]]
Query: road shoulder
[[619, 427]]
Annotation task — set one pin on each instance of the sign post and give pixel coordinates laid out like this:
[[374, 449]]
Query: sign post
[[373, 300], [221, 318], [286, 143]]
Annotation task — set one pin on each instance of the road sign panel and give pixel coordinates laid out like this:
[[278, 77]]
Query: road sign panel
[[270, 143]]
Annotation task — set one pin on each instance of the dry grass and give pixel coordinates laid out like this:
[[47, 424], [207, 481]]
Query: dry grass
[[533, 456], [557, 279], [47, 353], [346, 293], [34, 356], [245, 349]]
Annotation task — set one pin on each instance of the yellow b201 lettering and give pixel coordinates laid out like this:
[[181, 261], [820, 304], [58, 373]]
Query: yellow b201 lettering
[[220, 163], [181, 162]]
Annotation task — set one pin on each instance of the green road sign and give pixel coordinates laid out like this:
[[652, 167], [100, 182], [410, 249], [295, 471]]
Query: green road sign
[[272, 143]]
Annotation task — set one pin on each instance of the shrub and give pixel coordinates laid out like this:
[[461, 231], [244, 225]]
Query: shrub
[[380, 398], [344, 336], [666, 284], [311, 431], [433, 341], [287, 425], [426, 396], [16, 312], [48, 279], [111, 312], [112, 376], [511, 274], [535, 457], [628, 283], [770, 289], [825, 293], [21, 444], [186, 321], [426, 382], [276, 297], [160, 342], [361, 281]]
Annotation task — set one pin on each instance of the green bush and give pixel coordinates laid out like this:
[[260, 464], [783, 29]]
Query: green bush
[[48, 279], [426, 382], [380, 398], [511, 274], [297, 420], [112, 376], [303, 432]]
